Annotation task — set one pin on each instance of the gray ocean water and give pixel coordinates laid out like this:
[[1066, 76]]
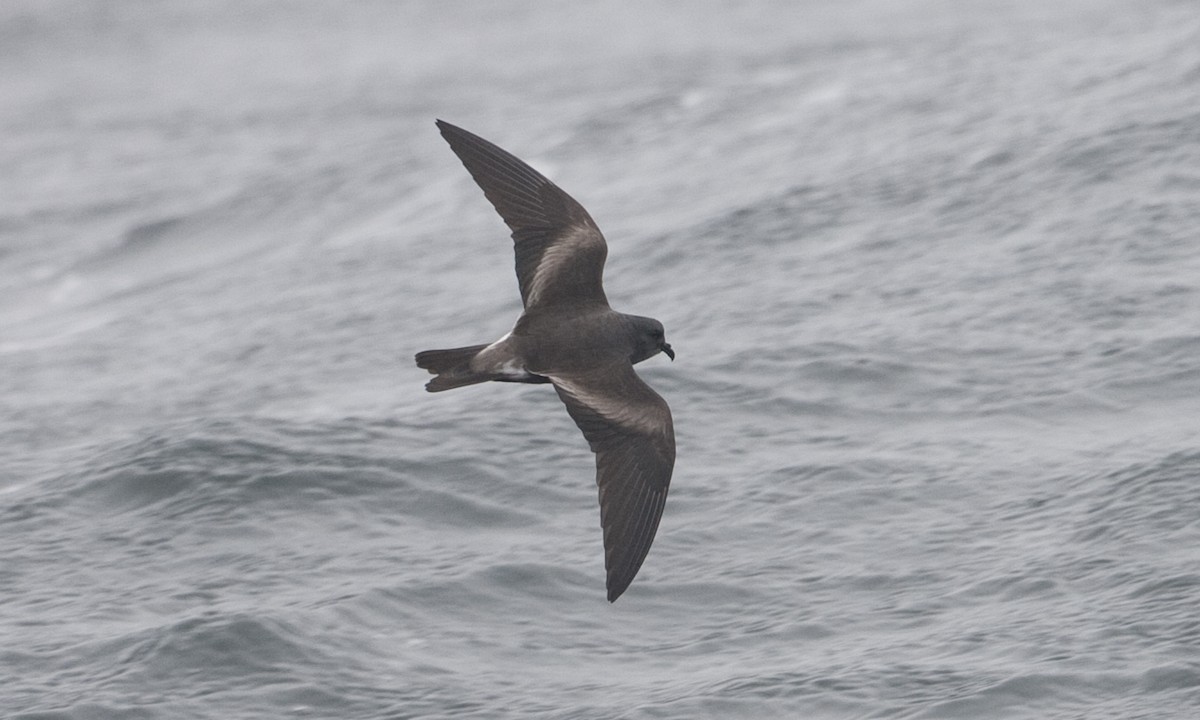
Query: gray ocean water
[[932, 271]]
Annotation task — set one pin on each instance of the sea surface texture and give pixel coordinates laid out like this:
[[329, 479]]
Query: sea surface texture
[[932, 271]]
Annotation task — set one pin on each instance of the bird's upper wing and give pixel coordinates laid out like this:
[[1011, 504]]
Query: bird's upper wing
[[629, 427], [560, 251]]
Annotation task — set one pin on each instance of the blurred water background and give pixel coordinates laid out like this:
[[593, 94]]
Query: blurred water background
[[932, 271]]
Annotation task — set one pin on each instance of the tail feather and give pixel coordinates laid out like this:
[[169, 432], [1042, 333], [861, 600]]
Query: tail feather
[[452, 367]]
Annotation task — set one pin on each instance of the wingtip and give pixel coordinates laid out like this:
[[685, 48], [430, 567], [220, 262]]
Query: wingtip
[[615, 590], [459, 138], [447, 129]]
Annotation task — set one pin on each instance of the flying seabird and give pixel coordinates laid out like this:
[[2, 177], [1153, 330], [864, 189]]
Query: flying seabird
[[569, 336]]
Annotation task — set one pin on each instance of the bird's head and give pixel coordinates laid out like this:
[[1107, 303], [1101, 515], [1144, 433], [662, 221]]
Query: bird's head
[[650, 339]]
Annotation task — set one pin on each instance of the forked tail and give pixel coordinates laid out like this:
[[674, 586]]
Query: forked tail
[[452, 368]]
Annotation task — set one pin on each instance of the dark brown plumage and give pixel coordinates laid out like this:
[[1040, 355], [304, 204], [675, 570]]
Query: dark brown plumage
[[570, 337]]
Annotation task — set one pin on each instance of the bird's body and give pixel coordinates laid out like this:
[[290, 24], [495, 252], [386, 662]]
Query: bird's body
[[570, 337]]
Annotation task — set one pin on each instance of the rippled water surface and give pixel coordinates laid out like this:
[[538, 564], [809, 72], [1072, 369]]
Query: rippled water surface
[[932, 271]]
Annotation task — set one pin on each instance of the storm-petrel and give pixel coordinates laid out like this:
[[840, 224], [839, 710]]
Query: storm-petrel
[[568, 336]]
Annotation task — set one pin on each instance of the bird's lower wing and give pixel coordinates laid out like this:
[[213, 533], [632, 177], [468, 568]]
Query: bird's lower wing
[[629, 427]]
